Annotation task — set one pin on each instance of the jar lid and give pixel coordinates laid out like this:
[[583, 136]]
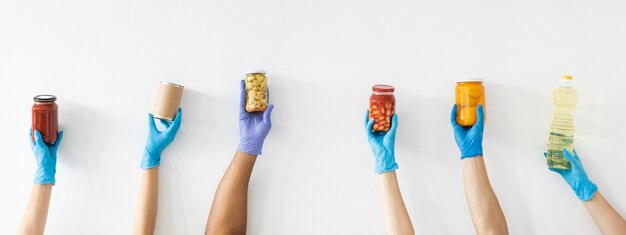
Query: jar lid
[[44, 98], [255, 71], [383, 88], [470, 80]]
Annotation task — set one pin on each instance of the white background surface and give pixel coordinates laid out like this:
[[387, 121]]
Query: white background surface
[[103, 59]]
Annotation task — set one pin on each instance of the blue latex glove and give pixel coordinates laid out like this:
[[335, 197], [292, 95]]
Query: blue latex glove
[[46, 156], [253, 127], [159, 140], [469, 140], [576, 177], [383, 144]]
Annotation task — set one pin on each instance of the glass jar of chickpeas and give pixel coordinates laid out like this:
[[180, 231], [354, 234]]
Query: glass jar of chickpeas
[[256, 91]]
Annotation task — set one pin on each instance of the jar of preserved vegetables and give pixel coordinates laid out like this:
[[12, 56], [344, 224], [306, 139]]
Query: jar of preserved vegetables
[[256, 91], [382, 107], [45, 118], [469, 94]]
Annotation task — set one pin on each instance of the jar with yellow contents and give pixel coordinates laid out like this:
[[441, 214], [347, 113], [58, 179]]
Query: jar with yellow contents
[[469, 94], [256, 91]]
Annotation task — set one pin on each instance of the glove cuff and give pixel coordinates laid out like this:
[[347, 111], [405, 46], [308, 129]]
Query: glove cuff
[[385, 163], [586, 193], [42, 178], [150, 160], [251, 146], [474, 153]]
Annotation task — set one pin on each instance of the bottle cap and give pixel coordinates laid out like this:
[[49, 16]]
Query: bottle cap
[[567, 77], [383, 88]]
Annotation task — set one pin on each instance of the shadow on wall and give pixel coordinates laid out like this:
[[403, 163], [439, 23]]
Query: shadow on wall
[[193, 135], [79, 150], [514, 126], [280, 158]]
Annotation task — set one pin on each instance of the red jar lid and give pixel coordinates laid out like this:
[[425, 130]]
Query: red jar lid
[[383, 88]]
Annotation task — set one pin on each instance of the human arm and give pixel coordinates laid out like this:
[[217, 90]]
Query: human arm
[[228, 213], [395, 215], [157, 142], [145, 219], [483, 204], [606, 218], [603, 214], [34, 220], [230, 205]]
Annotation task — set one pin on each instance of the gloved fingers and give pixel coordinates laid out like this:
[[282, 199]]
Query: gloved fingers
[[59, 138], [394, 125], [166, 124], [176, 124], [480, 116], [367, 117], [242, 97], [39, 139], [572, 158], [267, 115], [567, 155], [453, 118], [545, 155], [576, 156], [151, 124], [368, 127], [30, 137]]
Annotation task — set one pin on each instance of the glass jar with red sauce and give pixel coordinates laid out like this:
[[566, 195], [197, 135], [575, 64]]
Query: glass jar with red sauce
[[382, 107], [46, 118]]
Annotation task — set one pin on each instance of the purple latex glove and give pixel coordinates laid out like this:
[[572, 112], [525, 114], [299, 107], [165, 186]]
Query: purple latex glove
[[253, 127]]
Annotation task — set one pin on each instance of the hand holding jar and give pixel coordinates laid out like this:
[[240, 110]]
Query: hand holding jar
[[46, 156], [383, 144], [253, 126], [159, 140], [469, 139]]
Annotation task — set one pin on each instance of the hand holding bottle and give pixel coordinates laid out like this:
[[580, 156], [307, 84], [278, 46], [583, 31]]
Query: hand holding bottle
[[159, 140], [469, 140], [576, 177], [383, 144], [46, 156], [253, 126]]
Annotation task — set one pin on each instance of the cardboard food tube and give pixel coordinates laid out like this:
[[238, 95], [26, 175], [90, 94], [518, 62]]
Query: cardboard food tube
[[168, 100]]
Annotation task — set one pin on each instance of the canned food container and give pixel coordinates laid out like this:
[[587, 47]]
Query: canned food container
[[168, 101], [382, 107], [469, 94], [256, 91], [45, 118]]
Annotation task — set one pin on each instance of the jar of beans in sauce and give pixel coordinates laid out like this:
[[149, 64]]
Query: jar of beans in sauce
[[45, 116], [382, 107]]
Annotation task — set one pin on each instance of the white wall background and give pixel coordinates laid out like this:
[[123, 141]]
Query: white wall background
[[103, 59]]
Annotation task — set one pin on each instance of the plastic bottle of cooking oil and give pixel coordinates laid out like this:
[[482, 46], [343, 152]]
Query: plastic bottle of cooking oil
[[564, 99]]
